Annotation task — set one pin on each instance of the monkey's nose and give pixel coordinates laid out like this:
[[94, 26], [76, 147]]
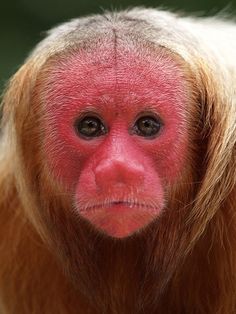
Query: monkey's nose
[[118, 173]]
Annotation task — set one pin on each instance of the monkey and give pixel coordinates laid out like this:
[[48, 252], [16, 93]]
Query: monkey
[[118, 168]]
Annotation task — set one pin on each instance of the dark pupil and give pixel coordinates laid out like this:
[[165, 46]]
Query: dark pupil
[[148, 126], [90, 127]]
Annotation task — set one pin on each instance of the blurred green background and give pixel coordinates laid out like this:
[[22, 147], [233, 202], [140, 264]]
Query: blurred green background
[[23, 22]]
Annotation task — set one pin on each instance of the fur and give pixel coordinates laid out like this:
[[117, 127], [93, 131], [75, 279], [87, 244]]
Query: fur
[[187, 263]]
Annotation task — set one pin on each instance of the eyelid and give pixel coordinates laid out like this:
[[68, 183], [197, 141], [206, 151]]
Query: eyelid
[[90, 114], [150, 113]]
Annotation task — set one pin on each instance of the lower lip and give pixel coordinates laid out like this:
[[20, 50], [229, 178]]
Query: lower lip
[[120, 220]]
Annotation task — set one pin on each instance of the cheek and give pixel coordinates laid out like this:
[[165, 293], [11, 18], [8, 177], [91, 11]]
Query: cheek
[[170, 158], [169, 152], [65, 156]]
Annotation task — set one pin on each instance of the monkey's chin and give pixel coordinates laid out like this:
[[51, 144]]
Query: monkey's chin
[[120, 220]]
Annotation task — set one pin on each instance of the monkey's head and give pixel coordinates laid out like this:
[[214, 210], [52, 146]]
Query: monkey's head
[[107, 129], [114, 120]]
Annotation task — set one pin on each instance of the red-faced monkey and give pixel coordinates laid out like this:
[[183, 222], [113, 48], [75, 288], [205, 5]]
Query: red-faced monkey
[[118, 169]]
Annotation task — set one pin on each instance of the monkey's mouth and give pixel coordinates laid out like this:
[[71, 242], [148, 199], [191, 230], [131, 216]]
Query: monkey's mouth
[[119, 218], [119, 204]]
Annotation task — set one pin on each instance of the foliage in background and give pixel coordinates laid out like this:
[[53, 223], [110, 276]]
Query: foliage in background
[[23, 22]]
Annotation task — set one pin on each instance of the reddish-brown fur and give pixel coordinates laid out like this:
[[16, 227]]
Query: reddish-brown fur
[[183, 263]]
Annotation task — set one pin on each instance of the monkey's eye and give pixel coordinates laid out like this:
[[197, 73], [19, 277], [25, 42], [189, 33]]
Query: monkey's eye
[[89, 127], [148, 126]]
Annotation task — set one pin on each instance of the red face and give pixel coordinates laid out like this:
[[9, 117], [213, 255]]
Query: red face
[[116, 133]]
